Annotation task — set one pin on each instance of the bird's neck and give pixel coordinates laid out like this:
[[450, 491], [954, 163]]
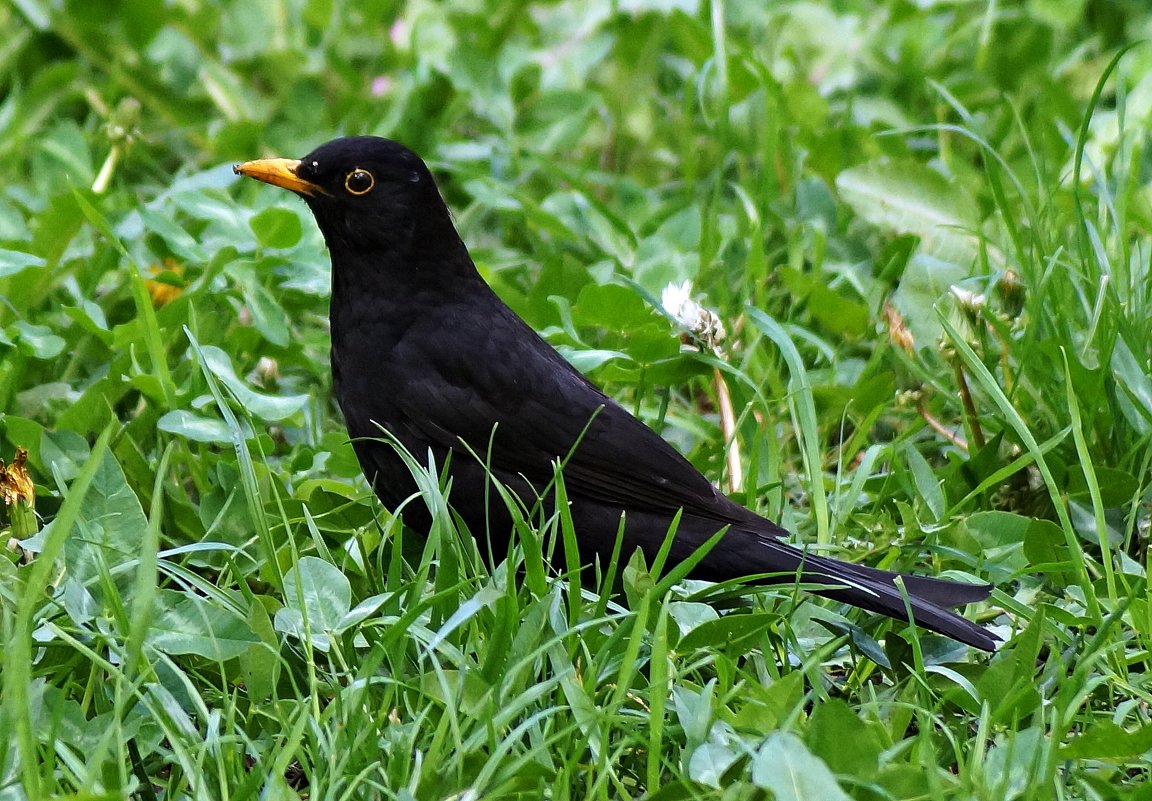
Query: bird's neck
[[388, 289], [403, 269]]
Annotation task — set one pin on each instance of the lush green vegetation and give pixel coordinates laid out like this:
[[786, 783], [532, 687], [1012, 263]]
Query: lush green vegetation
[[925, 227]]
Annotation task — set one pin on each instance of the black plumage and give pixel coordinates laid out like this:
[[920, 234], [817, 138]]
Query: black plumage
[[423, 348]]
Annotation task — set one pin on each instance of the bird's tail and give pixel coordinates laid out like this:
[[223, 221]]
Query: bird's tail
[[877, 591]]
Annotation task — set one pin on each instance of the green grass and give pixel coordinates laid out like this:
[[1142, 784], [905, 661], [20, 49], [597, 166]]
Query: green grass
[[926, 228]]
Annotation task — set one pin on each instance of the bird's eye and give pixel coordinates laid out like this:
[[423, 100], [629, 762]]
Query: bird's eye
[[359, 182]]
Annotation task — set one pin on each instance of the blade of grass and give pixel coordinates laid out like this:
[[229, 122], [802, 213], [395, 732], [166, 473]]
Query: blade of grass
[[1085, 459], [991, 388], [144, 592], [248, 480], [803, 407], [17, 671], [659, 683], [144, 309], [1082, 139]]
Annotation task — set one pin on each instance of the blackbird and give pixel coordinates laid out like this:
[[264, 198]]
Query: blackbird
[[423, 349]]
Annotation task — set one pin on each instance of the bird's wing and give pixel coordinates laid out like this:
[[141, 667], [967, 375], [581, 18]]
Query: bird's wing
[[543, 410]]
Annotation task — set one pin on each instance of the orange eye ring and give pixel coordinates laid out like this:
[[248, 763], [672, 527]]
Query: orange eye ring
[[359, 182]]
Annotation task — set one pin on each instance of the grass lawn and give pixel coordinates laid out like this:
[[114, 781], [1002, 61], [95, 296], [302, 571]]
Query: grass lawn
[[925, 228]]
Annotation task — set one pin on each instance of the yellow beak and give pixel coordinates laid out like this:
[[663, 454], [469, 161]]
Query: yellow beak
[[279, 172]]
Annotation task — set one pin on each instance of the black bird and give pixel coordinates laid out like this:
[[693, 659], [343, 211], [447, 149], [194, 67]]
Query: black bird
[[422, 347]]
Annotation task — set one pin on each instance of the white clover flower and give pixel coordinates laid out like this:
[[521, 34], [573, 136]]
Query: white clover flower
[[677, 301], [701, 324], [968, 300]]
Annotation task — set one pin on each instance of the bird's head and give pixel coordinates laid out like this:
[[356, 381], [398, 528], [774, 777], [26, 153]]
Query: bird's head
[[369, 195]]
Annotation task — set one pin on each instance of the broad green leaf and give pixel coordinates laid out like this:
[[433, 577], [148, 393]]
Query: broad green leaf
[[735, 632], [1105, 740], [925, 281], [277, 228], [363, 610], [694, 711], [260, 662], [927, 484], [837, 313], [1117, 487], [109, 527], [689, 615], [197, 428], [712, 759], [906, 197], [13, 261], [785, 766], [847, 744], [259, 404], [1016, 762], [776, 701], [1045, 544], [186, 623], [63, 452], [91, 318], [317, 598], [1136, 383], [38, 340], [610, 306], [182, 243], [587, 360], [268, 315]]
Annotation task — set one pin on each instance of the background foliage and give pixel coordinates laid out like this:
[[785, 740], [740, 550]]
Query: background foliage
[[924, 225]]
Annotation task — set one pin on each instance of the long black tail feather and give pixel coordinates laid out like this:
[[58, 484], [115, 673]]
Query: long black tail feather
[[929, 598]]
